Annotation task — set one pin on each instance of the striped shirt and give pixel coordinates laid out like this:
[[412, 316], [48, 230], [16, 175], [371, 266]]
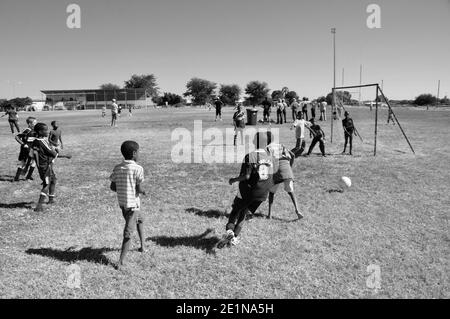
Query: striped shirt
[[127, 175]]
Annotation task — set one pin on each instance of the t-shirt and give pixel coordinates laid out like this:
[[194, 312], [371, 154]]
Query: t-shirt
[[347, 123], [300, 127], [323, 106], [127, 175], [114, 108], [218, 104], [43, 153], [12, 115], [259, 164], [317, 130], [26, 137], [295, 106], [239, 119], [266, 105], [54, 137], [281, 106], [304, 106]]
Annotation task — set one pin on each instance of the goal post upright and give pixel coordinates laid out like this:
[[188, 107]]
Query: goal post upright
[[376, 121]]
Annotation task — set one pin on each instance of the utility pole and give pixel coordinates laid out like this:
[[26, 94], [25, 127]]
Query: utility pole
[[333, 31], [343, 72], [439, 88]]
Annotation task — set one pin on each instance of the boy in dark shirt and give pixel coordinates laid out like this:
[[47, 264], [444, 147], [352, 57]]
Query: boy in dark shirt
[[255, 181], [349, 130], [266, 106], [25, 139], [44, 155], [319, 136], [218, 104], [54, 137]]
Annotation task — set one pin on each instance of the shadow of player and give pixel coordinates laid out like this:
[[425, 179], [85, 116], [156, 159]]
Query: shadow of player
[[27, 205], [93, 255], [6, 178], [202, 241]]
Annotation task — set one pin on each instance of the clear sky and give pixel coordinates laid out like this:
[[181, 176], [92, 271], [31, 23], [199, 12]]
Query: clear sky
[[283, 42]]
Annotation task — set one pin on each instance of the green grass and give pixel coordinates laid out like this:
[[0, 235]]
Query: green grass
[[396, 215]]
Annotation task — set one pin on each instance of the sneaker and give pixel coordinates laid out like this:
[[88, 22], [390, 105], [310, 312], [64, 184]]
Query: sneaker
[[234, 241], [226, 239]]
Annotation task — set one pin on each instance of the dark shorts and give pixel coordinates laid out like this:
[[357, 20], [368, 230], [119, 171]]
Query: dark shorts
[[114, 116], [132, 217], [47, 176]]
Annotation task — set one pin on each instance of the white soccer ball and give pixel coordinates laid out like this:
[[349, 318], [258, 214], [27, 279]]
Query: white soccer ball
[[345, 182]]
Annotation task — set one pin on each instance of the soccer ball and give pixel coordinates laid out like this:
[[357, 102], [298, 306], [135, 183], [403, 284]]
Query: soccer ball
[[345, 182]]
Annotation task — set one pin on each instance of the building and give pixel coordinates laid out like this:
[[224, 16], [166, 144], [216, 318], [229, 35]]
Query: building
[[95, 99]]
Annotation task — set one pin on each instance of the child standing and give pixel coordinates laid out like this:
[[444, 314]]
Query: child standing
[[255, 181], [103, 110], [54, 137], [13, 119], [284, 161], [25, 139], [44, 155], [126, 181], [239, 123]]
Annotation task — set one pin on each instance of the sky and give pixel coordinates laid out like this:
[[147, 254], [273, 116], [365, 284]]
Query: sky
[[283, 42]]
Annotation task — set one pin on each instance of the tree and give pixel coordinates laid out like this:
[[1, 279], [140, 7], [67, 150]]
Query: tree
[[277, 94], [257, 92], [200, 90], [109, 86], [321, 99], [170, 98], [445, 100], [145, 81], [425, 99], [20, 102], [290, 96], [344, 96], [229, 94]]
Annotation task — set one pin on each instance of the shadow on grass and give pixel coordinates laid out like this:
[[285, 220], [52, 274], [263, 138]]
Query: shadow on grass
[[27, 205], [211, 213], [335, 191], [6, 178], [94, 255], [200, 241]]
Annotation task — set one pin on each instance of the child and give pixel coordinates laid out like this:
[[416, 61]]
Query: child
[[319, 136], [255, 181], [44, 155], [25, 139], [126, 181], [13, 119], [349, 130], [130, 110], [103, 110], [284, 174], [323, 111], [54, 137], [299, 125], [239, 123], [218, 105]]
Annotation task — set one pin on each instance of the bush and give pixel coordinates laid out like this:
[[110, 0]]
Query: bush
[[425, 99]]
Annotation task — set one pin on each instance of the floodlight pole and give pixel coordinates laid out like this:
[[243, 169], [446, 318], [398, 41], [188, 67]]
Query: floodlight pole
[[333, 31], [376, 122]]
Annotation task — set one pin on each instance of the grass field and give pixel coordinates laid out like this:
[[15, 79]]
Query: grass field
[[395, 216]]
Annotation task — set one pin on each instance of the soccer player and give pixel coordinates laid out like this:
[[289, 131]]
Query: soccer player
[[55, 136], [114, 112], [126, 181], [280, 109], [305, 109], [284, 110], [323, 111], [44, 155], [294, 107], [319, 136], [313, 109], [255, 181], [218, 104], [266, 107], [349, 130], [284, 161], [25, 139], [13, 119], [299, 126], [239, 123], [130, 110], [103, 110], [390, 117]]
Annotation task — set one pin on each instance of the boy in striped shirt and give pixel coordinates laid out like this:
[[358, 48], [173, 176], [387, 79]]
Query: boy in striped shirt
[[126, 181]]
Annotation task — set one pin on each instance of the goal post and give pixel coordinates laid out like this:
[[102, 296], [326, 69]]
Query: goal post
[[378, 93]]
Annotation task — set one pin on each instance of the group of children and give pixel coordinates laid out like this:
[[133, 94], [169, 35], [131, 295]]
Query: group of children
[[38, 148]]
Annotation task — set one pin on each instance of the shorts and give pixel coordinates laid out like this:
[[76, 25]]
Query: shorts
[[47, 176], [114, 116], [284, 172], [288, 186], [132, 216]]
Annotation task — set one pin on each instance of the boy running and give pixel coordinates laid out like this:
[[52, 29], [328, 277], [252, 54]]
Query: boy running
[[255, 181], [25, 139], [239, 123], [126, 181], [299, 126], [44, 155], [54, 137], [13, 119], [285, 160], [319, 136]]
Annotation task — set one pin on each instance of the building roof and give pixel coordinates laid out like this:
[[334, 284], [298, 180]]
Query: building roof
[[91, 91]]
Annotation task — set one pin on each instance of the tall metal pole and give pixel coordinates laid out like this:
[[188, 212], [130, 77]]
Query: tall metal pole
[[376, 123], [360, 82], [343, 72], [439, 88], [333, 31]]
